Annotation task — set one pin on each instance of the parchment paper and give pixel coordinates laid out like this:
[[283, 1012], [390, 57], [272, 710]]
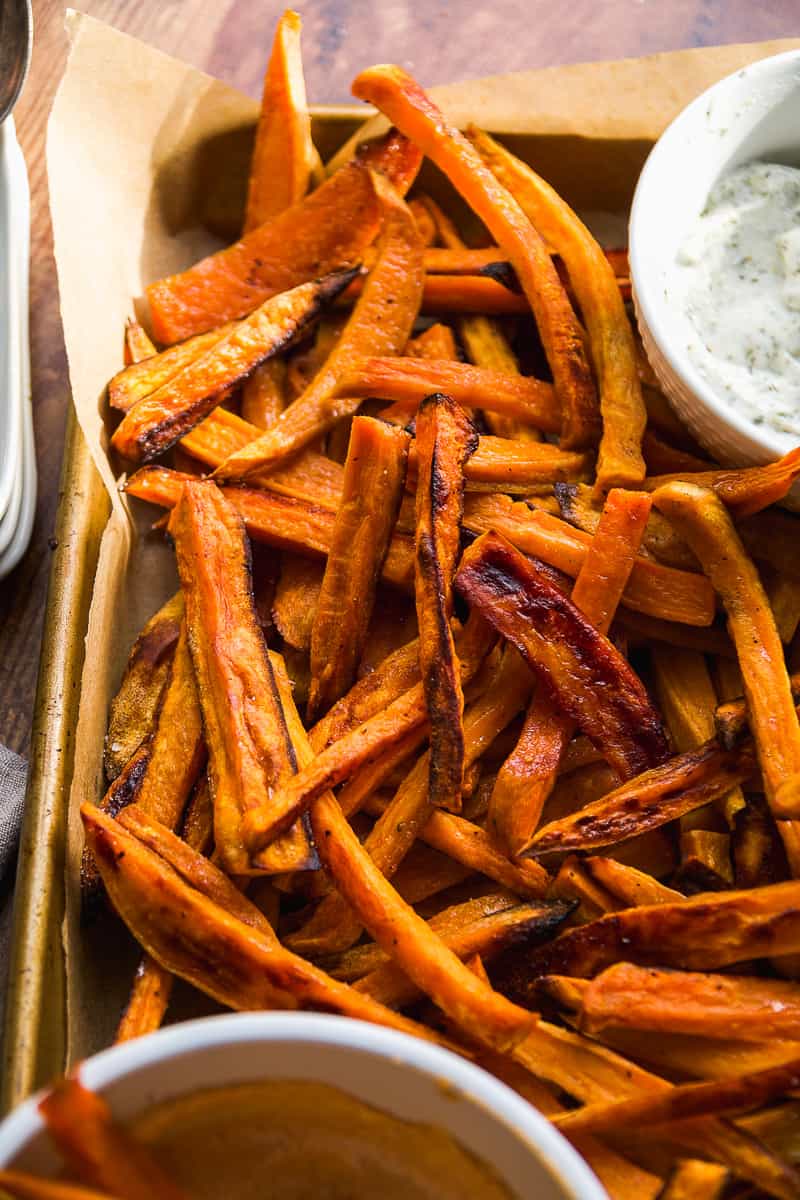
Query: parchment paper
[[140, 148]]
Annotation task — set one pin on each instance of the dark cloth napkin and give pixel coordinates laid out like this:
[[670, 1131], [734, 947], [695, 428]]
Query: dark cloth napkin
[[13, 774]]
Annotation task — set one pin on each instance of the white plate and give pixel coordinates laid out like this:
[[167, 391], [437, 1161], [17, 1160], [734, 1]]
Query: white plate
[[17, 458]]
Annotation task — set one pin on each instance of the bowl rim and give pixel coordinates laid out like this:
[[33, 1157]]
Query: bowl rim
[[763, 443], [498, 1102]]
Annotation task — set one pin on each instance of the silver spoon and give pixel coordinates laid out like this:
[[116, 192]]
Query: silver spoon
[[16, 40]]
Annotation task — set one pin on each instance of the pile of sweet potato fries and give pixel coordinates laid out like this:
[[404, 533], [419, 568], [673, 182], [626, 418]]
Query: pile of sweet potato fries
[[473, 715]]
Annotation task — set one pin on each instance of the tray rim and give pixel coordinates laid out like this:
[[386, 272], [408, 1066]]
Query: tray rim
[[34, 1026]]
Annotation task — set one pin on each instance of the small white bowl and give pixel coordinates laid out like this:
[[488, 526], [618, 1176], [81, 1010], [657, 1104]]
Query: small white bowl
[[749, 116], [407, 1077]]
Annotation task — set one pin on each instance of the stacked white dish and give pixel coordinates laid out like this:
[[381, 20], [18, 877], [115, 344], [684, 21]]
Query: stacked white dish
[[17, 458]]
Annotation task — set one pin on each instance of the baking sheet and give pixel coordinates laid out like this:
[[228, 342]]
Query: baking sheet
[[135, 144]]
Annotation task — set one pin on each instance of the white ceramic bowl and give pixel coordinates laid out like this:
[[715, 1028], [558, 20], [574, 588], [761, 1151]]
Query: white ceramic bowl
[[752, 115], [410, 1078]]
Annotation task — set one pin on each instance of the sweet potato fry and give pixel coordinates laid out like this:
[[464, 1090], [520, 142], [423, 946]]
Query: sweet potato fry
[[657, 591], [404, 102], [693, 1179], [472, 1004], [595, 286], [528, 775], [296, 598], [329, 229], [332, 929], [144, 376], [367, 957], [486, 936], [422, 215], [371, 494], [281, 521], [700, 933], [390, 679], [152, 984], [21, 1186], [629, 886], [283, 154], [445, 439], [745, 491], [264, 394], [408, 380], [177, 750], [731, 719], [97, 1150], [312, 477], [502, 465], [381, 321], [642, 629], [569, 657], [192, 934], [702, 519], [393, 155], [435, 342], [134, 707], [574, 883], [715, 1006], [163, 417], [686, 1101], [138, 344], [248, 749], [578, 507], [473, 847], [649, 800]]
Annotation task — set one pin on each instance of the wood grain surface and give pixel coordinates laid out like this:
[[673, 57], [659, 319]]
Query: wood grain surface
[[439, 40]]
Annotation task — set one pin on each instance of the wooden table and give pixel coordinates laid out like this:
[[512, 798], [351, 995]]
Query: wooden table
[[439, 41]]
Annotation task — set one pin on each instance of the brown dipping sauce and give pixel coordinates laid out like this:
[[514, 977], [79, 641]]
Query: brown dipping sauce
[[297, 1140]]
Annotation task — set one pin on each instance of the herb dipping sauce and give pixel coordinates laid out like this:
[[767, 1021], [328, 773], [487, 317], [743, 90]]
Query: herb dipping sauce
[[740, 268]]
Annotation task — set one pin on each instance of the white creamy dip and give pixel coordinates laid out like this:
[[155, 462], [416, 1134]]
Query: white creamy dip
[[740, 269]]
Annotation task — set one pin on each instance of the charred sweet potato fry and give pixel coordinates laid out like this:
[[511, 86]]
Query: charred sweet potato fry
[[358, 745], [445, 439], [406, 104], [593, 281], [329, 229], [486, 935], [697, 934], [177, 750], [134, 707], [681, 785], [248, 749], [160, 419], [657, 591], [745, 491], [381, 321], [472, 1004], [571, 660], [703, 521], [283, 154], [97, 1150], [686, 1101], [704, 1004], [193, 934], [371, 493], [146, 375], [408, 380], [527, 776], [393, 155]]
